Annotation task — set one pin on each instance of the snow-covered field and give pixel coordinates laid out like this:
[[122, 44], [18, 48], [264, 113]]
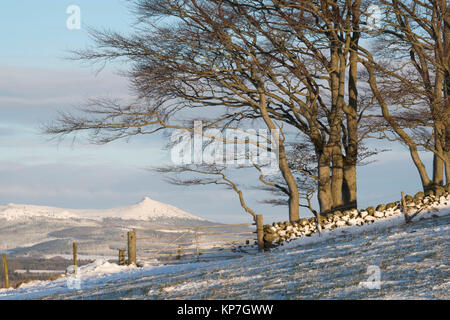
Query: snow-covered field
[[413, 261]]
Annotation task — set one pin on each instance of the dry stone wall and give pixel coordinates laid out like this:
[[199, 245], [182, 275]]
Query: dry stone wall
[[279, 232]]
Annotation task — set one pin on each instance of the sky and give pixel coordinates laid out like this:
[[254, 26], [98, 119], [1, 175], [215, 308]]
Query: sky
[[37, 80]]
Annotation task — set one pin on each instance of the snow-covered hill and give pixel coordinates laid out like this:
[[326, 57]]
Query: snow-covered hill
[[147, 209], [47, 231], [410, 259]]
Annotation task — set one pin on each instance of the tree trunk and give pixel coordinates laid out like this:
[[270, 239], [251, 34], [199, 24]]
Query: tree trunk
[[447, 168], [351, 150], [427, 184], [349, 188], [294, 197], [324, 188], [337, 178], [438, 108], [438, 171], [438, 162]]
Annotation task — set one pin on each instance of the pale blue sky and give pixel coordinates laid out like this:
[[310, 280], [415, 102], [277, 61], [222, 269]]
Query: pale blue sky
[[35, 81]]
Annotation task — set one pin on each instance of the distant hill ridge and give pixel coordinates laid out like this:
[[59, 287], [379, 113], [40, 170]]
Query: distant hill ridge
[[147, 210]]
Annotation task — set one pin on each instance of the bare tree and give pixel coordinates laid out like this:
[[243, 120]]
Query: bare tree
[[317, 42], [178, 70], [409, 76], [291, 63]]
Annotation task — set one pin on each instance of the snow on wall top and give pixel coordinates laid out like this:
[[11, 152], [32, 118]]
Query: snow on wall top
[[147, 209]]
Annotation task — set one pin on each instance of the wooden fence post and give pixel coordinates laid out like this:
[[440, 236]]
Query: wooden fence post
[[179, 252], [197, 249], [132, 247], [75, 260], [121, 257], [5, 271], [260, 232]]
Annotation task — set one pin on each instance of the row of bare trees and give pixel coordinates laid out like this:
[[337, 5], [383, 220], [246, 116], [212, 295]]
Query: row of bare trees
[[325, 74], [409, 76]]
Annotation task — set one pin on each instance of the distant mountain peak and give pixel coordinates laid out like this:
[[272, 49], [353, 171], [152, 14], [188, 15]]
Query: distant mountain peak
[[147, 209], [147, 201]]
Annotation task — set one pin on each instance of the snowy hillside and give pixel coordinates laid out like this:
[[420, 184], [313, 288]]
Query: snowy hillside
[[49, 231], [147, 209], [413, 261]]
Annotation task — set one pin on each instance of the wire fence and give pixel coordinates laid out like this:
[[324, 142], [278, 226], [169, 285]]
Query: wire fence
[[162, 244], [194, 242]]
